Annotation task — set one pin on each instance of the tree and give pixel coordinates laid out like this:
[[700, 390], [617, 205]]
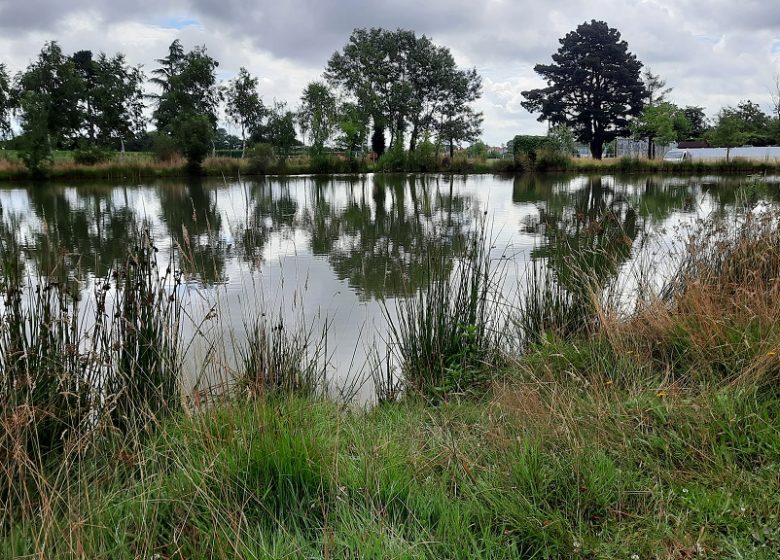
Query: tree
[[244, 106], [661, 121], [189, 90], [727, 133], [655, 87], [317, 115], [593, 86], [378, 140], [697, 121], [744, 124], [49, 91], [775, 95], [116, 100], [353, 126], [563, 139], [371, 67], [5, 102], [280, 130], [403, 82], [457, 121]]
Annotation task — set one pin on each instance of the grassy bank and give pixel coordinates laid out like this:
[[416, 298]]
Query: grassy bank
[[649, 432], [138, 167], [540, 469]]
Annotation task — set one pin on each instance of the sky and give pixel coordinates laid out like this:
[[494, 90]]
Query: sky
[[713, 54]]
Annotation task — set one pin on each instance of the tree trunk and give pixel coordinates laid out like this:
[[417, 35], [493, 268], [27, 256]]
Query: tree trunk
[[452, 149], [413, 139], [596, 148]]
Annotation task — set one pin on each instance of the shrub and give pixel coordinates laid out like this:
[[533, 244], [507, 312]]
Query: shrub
[[393, 160], [164, 147], [91, 155], [262, 158]]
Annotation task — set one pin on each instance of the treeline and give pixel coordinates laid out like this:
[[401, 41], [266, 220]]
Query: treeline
[[382, 84]]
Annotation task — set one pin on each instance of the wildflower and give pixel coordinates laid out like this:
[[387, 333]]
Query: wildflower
[[684, 490], [662, 394], [771, 354], [635, 556], [609, 382]]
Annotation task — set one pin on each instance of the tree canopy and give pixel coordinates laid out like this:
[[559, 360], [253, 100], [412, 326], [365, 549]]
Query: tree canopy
[[317, 115], [407, 83], [5, 102], [593, 86], [189, 98], [244, 105]]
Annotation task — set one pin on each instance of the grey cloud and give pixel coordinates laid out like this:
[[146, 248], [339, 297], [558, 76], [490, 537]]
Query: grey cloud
[[287, 42]]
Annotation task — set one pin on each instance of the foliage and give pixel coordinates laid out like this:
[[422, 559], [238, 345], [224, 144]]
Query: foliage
[[5, 102], [243, 104], [593, 85], [280, 131], [353, 126], [194, 135], [91, 155], [529, 146], [112, 99], [478, 150], [188, 101], [378, 140], [744, 124], [661, 121], [262, 158], [317, 115], [697, 121], [50, 89], [164, 147], [563, 139], [403, 81]]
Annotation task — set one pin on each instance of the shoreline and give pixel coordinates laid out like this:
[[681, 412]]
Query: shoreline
[[231, 168]]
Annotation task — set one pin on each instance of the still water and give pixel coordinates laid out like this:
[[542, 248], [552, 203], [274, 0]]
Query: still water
[[341, 250]]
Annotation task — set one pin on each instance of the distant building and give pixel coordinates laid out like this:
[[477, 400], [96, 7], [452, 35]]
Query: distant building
[[692, 144]]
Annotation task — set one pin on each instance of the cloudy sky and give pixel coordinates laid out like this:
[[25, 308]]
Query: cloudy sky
[[712, 53]]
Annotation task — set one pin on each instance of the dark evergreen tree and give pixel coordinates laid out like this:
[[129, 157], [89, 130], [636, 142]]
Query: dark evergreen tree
[[593, 85]]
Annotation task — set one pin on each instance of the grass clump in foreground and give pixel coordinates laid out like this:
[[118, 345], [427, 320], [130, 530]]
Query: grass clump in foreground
[[654, 434]]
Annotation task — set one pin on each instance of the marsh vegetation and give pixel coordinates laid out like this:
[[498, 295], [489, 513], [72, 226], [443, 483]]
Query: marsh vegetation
[[584, 366]]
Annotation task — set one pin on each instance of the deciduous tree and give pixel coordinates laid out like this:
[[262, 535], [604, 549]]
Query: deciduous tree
[[317, 115], [244, 105]]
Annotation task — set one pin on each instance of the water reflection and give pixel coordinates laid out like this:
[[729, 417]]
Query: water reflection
[[356, 239]]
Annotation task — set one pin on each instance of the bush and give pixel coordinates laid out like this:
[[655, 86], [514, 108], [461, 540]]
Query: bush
[[461, 164], [91, 155], [164, 147], [423, 159], [394, 160], [262, 158], [194, 135]]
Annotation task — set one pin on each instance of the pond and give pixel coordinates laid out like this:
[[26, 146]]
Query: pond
[[338, 251]]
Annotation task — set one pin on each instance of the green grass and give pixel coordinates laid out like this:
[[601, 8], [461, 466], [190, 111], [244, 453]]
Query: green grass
[[537, 470]]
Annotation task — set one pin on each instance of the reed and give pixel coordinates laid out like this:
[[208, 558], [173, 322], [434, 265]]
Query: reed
[[447, 337]]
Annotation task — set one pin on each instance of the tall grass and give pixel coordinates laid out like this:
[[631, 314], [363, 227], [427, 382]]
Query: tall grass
[[69, 372], [447, 338], [282, 360]]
